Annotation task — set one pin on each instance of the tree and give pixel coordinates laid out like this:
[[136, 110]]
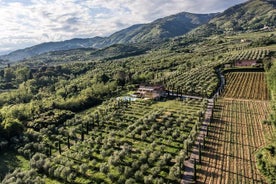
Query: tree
[[174, 172], [128, 172], [101, 78], [38, 161], [120, 78], [65, 173], [195, 164], [167, 158], [139, 176], [83, 168], [130, 181], [155, 171], [9, 74], [68, 141], [112, 177], [104, 168], [22, 74], [12, 127], [18, 176], [59, 147], [148, 179]]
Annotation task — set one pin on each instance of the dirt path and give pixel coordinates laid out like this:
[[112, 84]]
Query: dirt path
[[189, 164]]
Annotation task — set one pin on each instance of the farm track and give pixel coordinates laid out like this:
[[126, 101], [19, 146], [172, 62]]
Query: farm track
[[189, 164]]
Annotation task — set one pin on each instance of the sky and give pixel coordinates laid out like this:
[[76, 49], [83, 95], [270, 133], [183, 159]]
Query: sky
[[24, 23]]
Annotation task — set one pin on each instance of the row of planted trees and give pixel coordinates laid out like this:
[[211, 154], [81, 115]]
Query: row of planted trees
[[113, 139], [196, 82]]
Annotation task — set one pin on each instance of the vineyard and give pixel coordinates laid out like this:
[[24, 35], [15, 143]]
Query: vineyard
[[246, 85], [119, 142], [235, 134], [237, 131]]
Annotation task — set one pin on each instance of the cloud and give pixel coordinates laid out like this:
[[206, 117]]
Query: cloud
[[29, 22]]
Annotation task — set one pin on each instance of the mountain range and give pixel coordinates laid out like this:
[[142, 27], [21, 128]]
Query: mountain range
[[249, 16], [164, 28]]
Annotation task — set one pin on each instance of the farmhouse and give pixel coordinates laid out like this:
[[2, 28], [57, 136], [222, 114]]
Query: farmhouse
[[151, 92]]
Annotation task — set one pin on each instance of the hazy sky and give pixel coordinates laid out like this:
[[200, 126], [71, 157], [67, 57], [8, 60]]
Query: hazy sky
[[24, 23]]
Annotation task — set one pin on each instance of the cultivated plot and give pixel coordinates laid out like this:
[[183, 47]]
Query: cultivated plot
[[246, 85], [237, 131]]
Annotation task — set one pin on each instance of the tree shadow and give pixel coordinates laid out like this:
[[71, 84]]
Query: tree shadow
[[203, 176], [9, 162]]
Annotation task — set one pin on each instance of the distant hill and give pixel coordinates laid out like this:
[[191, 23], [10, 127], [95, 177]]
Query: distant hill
[[51, 46], [115, 51], [160, 29], [156, 31], [250, 16]]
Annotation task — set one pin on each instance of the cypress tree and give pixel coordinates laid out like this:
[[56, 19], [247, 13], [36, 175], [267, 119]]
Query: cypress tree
[[82, 135], [87, 127], [199, 155], [194, 169], [68, 142], [59, 146]]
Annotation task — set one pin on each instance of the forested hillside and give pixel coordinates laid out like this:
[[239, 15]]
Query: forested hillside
[[249, 16]]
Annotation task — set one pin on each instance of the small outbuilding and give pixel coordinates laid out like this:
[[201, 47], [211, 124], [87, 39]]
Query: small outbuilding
[[246, 63]]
